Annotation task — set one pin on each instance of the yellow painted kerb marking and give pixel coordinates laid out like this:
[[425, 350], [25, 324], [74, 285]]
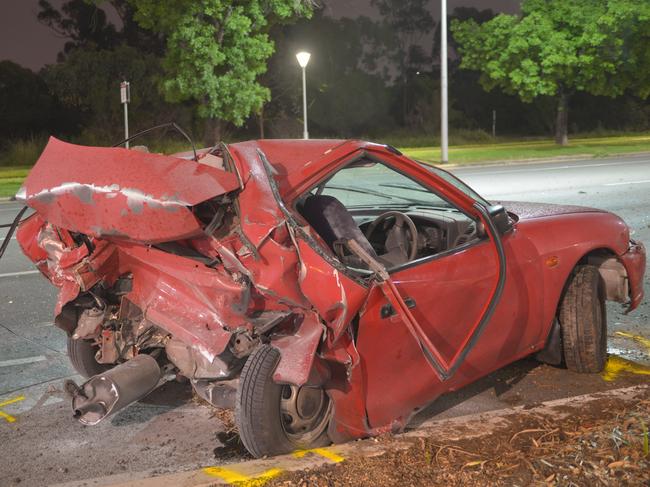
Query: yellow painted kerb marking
[[616, 365], [8, 417], [236, 478], [323, 452]]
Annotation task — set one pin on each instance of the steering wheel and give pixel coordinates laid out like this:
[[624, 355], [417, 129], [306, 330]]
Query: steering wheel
[[396, 236]]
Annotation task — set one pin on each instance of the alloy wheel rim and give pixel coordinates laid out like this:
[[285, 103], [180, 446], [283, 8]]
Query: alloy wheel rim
[[304, 412]]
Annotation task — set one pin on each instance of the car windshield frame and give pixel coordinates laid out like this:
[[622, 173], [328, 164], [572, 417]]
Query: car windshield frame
[[381, 190], [456, 182]]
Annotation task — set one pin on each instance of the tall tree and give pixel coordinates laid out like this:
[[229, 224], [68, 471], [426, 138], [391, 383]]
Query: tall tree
[[26, 105], [88, 83], [79, 21], [85, 24], [399, 36], [216, 49], [558, 48]]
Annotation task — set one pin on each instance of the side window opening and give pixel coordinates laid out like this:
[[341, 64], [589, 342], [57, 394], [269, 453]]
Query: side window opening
[[392, 217]]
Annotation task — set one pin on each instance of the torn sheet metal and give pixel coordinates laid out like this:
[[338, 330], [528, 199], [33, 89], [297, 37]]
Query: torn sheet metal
[[119, 193], [297, 351], [336, 297]]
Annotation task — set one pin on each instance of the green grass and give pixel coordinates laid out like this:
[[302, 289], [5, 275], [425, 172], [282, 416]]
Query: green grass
[[505, 151], [21, 152], [11, 177]]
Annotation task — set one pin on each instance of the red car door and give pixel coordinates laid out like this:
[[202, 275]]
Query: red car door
[[424, 319]]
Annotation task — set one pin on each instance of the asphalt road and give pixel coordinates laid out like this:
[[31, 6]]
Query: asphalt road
[[41, 444]]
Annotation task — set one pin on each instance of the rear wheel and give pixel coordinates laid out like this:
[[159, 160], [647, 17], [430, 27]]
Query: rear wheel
[[274, 419], [583, 321], [82, 356]]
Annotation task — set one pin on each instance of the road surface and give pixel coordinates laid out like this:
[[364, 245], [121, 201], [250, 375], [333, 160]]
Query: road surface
[[41, 444]]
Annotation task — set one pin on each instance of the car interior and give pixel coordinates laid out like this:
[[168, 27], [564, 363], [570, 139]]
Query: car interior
[[393, 218]]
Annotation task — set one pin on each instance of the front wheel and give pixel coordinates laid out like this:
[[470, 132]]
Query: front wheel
[[583, 320], [274, 419]]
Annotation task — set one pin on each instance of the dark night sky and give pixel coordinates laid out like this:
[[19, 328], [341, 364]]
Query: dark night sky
[[25, 41]]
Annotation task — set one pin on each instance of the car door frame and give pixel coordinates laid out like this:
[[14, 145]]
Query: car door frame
[[394, 160]]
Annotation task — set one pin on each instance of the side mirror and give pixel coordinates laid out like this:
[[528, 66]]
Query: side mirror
[[499, 216]]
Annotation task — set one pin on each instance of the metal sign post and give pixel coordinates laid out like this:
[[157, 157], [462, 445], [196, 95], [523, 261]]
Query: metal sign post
[[125, 98]]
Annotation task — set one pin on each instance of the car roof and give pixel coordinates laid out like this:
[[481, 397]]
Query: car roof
[[295, 160]]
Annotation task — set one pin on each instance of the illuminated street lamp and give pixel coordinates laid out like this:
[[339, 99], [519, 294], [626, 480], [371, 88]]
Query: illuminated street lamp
[[303, 60]]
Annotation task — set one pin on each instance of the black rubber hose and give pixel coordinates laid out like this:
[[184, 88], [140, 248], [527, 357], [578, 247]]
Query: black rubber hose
[[12, 228]]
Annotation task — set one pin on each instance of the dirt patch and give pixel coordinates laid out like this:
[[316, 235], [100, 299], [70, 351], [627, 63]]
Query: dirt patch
[[231, 447], [603, 442]]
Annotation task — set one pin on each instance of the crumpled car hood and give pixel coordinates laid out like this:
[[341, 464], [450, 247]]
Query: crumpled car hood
[[120, 193], [526, 210]]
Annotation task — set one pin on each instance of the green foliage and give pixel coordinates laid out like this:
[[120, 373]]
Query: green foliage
[[26, 107], [21, 152], [79, 21], [88, 83], [396, 43], [216, 49], [584, 45], [402, 26]]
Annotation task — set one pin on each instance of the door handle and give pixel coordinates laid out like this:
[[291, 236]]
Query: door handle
[[387, 310]]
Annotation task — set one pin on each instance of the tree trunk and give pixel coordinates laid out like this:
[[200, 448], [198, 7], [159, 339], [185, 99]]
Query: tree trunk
[[261, 121], [212, 132], [405, 99], [562, 119]]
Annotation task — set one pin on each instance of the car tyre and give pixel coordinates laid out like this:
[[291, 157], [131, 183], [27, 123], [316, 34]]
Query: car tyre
[[262, 419], [82, 356], [583, 321]]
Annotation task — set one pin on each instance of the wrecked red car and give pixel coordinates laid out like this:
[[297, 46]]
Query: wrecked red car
[[327, 289]]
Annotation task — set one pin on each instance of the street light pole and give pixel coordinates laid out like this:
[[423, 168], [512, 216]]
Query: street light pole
[[303, 59], [444, 112], [305, 134]]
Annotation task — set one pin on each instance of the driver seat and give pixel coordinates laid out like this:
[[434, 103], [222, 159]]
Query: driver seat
[[332, 221]]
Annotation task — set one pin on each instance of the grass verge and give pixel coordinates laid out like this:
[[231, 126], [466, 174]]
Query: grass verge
[[11, 177], [508, 151]]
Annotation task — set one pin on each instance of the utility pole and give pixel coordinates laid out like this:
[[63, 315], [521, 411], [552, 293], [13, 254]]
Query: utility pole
[[125, 98], [444, 113], [494, 124]]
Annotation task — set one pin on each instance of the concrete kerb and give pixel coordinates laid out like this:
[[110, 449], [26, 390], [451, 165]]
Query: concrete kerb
[[257, 472]]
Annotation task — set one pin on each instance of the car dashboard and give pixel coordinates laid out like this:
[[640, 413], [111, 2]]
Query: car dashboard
[[438, 229]]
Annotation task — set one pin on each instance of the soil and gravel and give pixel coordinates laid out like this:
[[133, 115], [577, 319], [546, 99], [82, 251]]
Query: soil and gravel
[[604, 442]]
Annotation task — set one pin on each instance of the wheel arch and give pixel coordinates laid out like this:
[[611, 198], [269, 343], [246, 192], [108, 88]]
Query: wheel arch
[[612, 272], [616, 284]]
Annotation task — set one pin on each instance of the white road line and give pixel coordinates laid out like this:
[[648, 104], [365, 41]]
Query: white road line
[[22, 273], [643, 181], [22, 361], [550, 168]]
